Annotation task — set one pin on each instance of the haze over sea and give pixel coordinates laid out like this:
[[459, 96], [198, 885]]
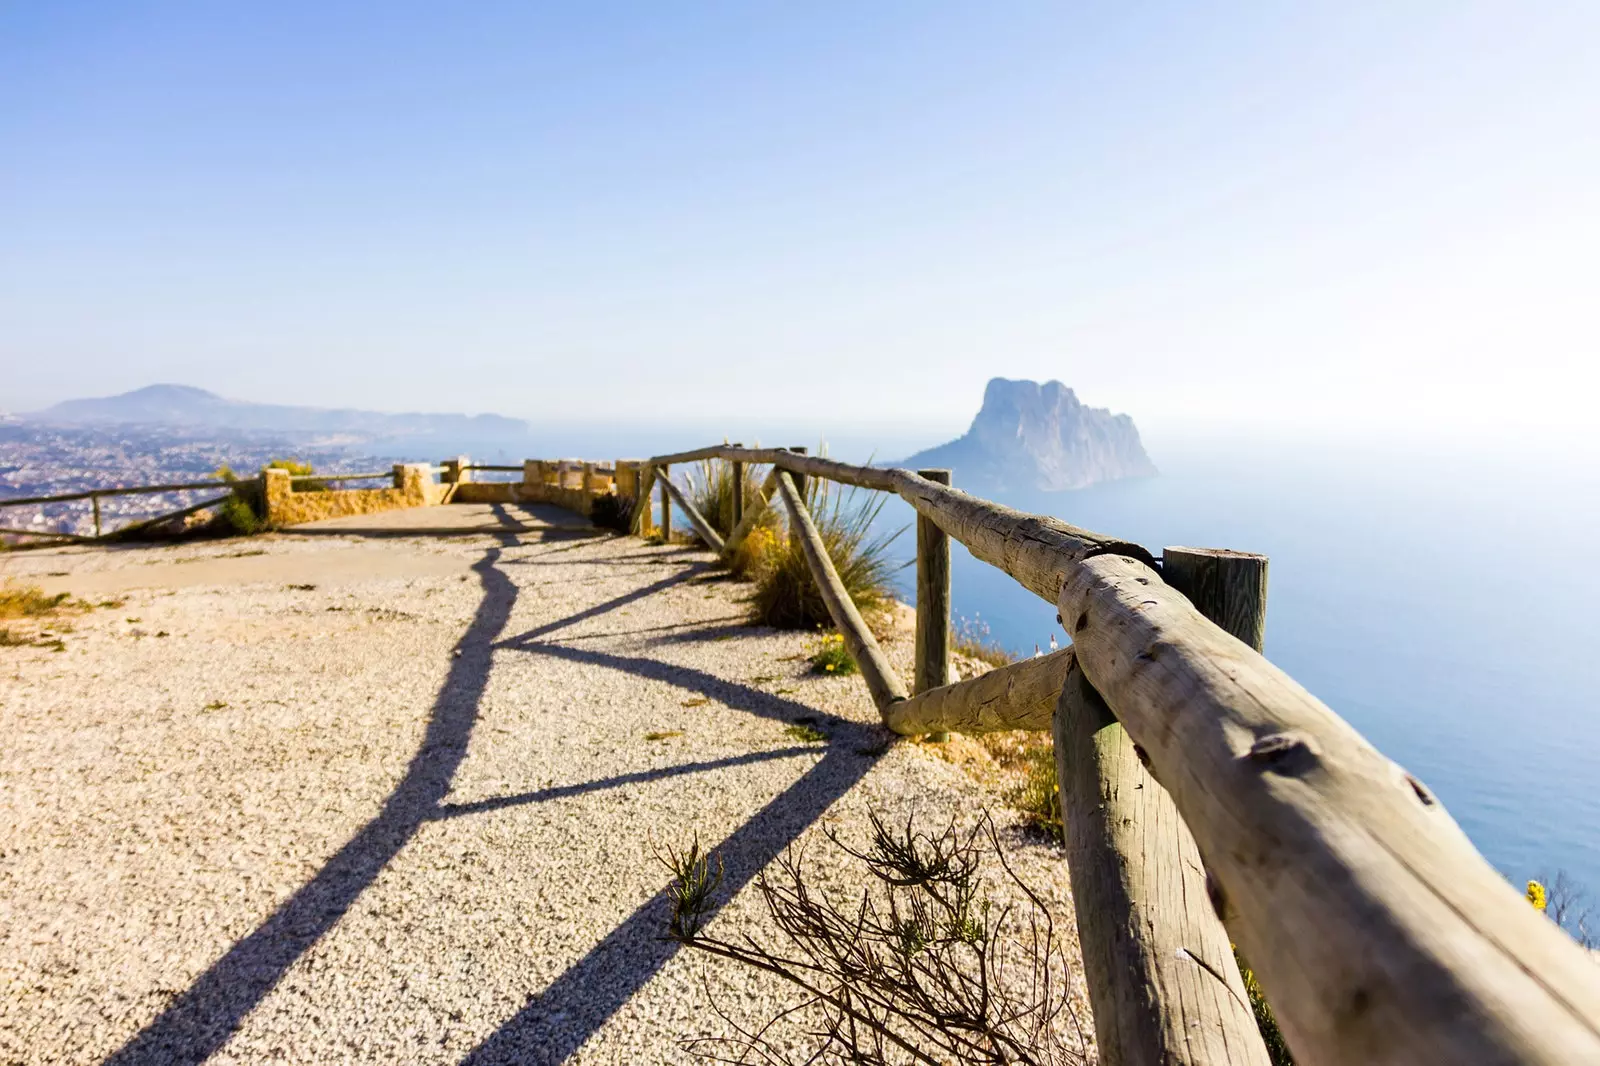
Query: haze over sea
[[1441, 599], [1442, 605]]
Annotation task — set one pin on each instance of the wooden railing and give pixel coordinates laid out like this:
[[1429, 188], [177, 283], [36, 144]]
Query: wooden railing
[[94, 496], [1207, 800]]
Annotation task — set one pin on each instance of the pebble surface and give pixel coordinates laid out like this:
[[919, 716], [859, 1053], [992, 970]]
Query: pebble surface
[[400, 806]]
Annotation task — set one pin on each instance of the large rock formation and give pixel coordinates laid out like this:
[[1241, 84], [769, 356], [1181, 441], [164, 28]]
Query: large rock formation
[[1033, 436]]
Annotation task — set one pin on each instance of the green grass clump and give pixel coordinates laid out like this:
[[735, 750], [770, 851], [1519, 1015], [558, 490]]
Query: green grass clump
[[802, 732], [711, 491], [1038, 793], [243, 512], [296, 468], [786, 596], [1277, 1050], [831, 656]]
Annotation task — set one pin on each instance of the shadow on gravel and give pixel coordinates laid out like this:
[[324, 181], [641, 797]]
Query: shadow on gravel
[[558, 1021], [456, 810], [520, 640], [201, 1020]]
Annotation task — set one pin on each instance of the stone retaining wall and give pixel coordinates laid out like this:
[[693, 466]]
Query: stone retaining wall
[[414, 486]]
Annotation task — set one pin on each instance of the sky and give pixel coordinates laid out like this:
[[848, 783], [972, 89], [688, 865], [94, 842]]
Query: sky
[[1314, 217]]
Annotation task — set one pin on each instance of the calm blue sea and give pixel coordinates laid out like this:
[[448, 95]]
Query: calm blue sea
[[1445, 605]]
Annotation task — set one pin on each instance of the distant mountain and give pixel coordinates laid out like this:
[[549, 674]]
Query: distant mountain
[[1033, 436], [186, 407]]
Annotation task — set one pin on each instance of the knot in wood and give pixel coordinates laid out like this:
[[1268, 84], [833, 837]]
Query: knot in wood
[[1285, 753]]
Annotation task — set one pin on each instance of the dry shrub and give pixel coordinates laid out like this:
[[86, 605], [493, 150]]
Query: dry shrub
[[27, 601], [711, 491], [786, 595], [946, 957]]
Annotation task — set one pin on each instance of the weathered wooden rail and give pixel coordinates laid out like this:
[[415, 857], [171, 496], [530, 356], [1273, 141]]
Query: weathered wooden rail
[[1207, 799]]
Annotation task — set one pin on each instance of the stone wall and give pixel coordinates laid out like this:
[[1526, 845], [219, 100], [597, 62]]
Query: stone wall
[[567, 483], [414, 486]]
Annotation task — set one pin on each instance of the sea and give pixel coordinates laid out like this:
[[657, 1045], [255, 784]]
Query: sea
[[1442, 596], [1446, 605]]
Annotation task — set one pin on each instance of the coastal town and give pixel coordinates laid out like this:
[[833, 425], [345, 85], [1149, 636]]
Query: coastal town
[[39, 459]]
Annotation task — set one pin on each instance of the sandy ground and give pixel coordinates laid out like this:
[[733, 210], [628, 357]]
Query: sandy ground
[[383, 790]]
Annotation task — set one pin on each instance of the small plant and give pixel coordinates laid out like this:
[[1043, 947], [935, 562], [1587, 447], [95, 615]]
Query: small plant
[[786, 596], [612, 511], [805, 733], [831, 656], [295, 468], [1566, 903], [1266, 1022], [1038, 793], [971, 637], [242, 510], [927, 966], [28, 601], [711, 492]]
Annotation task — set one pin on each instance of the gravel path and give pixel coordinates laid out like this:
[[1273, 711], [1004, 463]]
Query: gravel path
[[386, 792]]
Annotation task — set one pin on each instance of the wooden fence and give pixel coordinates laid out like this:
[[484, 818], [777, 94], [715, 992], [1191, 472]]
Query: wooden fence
[[1207, 800]]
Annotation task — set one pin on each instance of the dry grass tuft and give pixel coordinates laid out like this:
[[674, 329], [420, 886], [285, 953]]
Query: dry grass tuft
[[28, 601], [786, 596]]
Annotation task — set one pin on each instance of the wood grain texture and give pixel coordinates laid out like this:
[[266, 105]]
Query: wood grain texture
[[1162, 979], [932, 662], [1019, 696], [1228, 587], [736, 476], [664, 473], [692, 513], [882, 681], [1381, 935], [640, 521]]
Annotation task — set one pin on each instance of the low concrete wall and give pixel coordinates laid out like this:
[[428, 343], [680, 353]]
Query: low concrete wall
[[573, 499], [414, 486], [570, 484]]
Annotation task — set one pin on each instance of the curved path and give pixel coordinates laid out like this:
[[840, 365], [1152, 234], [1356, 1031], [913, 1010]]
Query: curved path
[[385, 789]]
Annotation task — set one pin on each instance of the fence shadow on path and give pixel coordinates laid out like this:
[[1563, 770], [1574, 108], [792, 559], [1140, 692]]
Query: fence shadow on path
[[558, 1021], [201, 1020]]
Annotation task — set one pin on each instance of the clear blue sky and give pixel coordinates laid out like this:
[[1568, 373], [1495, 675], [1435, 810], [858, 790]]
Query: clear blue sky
[[1242, 212]]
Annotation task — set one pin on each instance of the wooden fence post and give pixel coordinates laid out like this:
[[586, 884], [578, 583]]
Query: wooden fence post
[[1163, 981], [738, 493], [798, 479], [882, 682], [933, 603], [666, 506], [95, 499], [641, 500], [1228, 587]]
